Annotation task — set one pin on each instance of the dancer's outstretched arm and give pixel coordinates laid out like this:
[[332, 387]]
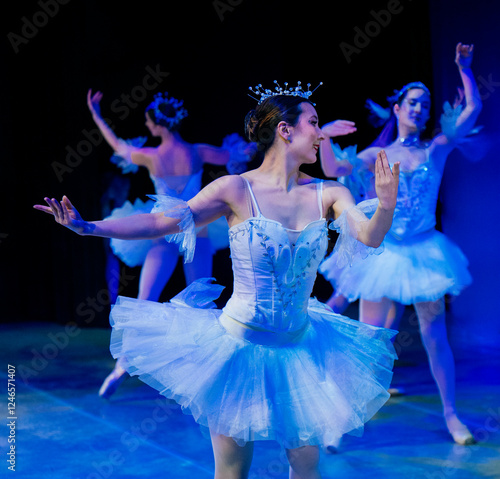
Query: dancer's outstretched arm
[[208, 205], [333, 167]]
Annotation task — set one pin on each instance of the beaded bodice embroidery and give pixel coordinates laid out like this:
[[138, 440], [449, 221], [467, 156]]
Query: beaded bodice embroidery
[[274, 270], [416, 205]]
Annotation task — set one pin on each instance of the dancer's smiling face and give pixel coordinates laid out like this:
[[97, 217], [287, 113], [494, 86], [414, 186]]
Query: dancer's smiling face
[[306, 135], [414, 110]]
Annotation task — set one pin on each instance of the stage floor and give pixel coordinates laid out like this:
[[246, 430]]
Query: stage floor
[[63, 430]]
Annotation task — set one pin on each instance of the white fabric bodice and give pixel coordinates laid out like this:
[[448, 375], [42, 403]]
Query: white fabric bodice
[[274, 270]]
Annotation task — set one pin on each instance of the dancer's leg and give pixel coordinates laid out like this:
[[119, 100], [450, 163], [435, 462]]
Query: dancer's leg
[[338, 303], [374, 312], [394, 315], [157, 269], [431, 317], [231, 461], [304, 462]]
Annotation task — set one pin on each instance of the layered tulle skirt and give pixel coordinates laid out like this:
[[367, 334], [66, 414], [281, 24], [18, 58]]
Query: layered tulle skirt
[[311, 391], [424, 267]]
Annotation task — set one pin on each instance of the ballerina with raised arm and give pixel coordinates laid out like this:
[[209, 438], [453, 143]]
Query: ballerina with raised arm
[[419, 265], [175, 168], [273, 364]]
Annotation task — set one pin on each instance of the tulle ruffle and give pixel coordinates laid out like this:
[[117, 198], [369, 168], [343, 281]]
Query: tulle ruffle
[[424, 267], [177, 208], [310, 392], [131, 252], [475, 144], [348, 249], [122, 156], [358, 182]]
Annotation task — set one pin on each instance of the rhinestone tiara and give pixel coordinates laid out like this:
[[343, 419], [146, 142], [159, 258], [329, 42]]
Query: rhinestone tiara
[[264, 93]]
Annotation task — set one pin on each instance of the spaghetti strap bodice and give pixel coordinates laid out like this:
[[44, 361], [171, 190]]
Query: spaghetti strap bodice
[[274, 270]]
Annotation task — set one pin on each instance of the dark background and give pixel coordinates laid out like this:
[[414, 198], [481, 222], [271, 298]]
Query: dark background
[[53, 52]]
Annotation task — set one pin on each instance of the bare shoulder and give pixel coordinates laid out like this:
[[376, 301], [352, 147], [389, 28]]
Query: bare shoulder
[[336, 197], [144, 155], [369, 157], [229, 186], [335, 190], [147, 151], [370, 153]]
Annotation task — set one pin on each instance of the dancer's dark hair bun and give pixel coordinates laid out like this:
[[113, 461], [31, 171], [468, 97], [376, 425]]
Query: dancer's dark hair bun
[[250, 125], [261, 123]]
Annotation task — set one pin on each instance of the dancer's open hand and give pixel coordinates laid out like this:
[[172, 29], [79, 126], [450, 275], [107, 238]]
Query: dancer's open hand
[[339, 128], [386, 181], [64, 213]]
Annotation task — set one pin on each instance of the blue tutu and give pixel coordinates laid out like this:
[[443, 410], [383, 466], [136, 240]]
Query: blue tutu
[[131, 252], [423, 267]]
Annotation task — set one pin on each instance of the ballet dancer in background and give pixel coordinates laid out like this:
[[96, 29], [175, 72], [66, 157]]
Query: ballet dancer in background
[[349, 169], [175, 168], [274, 364], [419, 265]]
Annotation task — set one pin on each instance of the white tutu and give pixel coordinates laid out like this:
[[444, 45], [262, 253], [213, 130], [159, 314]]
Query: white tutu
[[131, 252], [312, 391], [423, 267]]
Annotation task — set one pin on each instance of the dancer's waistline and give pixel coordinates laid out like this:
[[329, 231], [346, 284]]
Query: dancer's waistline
[[266, 338]]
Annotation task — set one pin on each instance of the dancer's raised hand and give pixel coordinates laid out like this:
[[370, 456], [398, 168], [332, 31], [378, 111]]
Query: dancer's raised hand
[[339, 128], [93, 102], [386, 181], [463, 55]]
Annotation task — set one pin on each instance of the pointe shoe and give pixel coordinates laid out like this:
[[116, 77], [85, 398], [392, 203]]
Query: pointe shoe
[[333, 448], [459, 432], [396, 391], [111, 383]]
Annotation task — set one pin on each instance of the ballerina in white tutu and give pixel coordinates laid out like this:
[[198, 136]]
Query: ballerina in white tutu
[[273, 364], [175, 168], [419, 265]]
